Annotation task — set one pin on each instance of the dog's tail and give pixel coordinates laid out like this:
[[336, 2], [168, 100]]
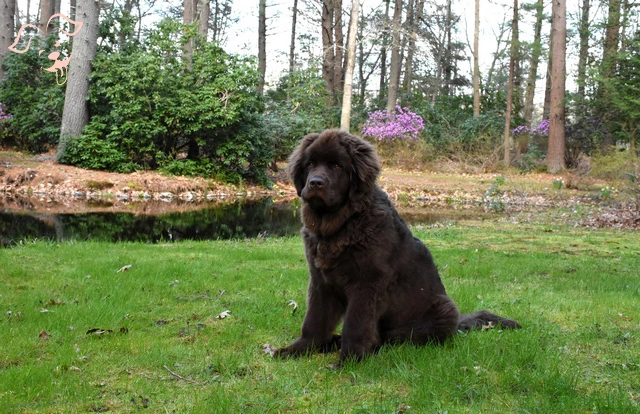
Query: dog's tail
[[483, 319]]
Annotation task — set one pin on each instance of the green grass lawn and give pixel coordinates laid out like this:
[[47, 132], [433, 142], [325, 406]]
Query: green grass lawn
[[576, 292]]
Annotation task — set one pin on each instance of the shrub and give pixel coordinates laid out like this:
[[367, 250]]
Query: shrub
[[401, 125], [90, 152], [4, 114], [583, 137], [454, 132], [33, 97], [151, 108], [613, 165], [412, 155]]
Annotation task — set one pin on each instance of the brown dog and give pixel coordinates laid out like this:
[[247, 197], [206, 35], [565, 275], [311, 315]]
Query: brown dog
[[365, 265]]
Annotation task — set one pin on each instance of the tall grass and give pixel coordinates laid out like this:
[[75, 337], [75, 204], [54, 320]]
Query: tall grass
[[576, 293]]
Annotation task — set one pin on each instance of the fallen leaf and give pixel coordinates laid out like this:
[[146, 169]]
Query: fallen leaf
[[269, 349], [44, 310], [294, 304], [98, 331], [124, 268], [124, 330], [44, 335], [223, 314]]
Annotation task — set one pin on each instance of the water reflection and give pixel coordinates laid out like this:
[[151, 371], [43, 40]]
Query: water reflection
[[237, 220]]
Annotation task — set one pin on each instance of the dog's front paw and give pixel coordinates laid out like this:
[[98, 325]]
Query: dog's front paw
[[299, 347], [286, 352]]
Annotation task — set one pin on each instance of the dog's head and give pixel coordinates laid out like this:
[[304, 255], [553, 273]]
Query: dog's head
[[333, 168]]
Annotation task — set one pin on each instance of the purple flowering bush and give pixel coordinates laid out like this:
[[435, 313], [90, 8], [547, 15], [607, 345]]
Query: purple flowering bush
[[401, 125], [541, 130], [3, 112]]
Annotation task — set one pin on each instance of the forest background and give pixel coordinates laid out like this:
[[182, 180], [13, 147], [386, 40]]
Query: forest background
[[180, 86]]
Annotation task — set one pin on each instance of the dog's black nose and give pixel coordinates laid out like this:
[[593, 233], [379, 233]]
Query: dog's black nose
[[316, 182]]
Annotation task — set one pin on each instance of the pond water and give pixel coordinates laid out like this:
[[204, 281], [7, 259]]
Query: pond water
[[238, 220]]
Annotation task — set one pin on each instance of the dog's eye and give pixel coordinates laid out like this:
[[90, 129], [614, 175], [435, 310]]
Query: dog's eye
[[337, 166], [310, 165]]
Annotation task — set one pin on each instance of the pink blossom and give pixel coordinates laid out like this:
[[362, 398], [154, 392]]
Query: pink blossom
[[402, 124]]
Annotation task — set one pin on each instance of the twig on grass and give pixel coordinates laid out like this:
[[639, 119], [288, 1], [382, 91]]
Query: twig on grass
[[183, 378]]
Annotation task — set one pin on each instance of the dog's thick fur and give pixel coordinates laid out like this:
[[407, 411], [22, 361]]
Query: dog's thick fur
[[365, 265]]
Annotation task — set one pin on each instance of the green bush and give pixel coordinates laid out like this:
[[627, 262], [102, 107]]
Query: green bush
[[33, 97], [92, 153], [152, 108], [185, 167], [451, 128], [613, 165]]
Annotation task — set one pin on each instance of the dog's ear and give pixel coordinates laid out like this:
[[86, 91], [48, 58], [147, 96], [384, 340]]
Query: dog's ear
[[366, 166], [296, 162]]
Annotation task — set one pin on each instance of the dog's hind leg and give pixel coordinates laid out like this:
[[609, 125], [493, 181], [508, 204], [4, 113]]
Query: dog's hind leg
[[439, 322], [480, 319]]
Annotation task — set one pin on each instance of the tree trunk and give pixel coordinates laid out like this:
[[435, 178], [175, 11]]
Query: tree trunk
[[517, 73], [187, 18], [292, 45], [409, 64], [608, 66], [72, 9], [262, 45], [216, 21], [17, 22], [338, 47], [47, 9], [327, 45], [7, 13], [624, 25], [512, 59], [583, 54], [126, 15], [392, 97], [383, 53], [75, 114], [533, 67], [413, 35], [439, 69], [476, 62], [546, 109], [203, 18], [56, 6], [556, 150], [345, 119], [612, 34], [448, 58]]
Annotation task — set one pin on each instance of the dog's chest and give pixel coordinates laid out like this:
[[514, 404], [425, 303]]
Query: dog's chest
[[327, 255]]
